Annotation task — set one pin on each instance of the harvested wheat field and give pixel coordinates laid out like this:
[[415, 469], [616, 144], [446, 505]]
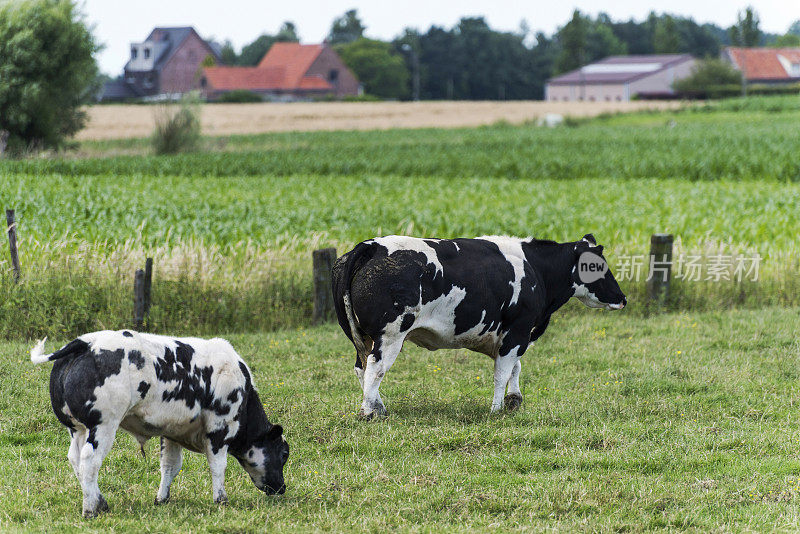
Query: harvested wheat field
[[126, 121]]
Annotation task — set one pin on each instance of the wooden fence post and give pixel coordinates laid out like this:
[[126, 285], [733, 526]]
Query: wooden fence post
[[323, 295], [148, 284], [12, 242], [138, 299], [660, 268]]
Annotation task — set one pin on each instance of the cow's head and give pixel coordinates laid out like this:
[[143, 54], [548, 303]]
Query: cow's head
[[592, 281], [265, 451]]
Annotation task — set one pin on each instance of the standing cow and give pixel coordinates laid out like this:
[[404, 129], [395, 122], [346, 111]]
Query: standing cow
[[493, 294], [196, 394]]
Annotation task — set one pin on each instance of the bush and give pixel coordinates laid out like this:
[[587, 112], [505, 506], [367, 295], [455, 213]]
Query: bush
[[177, 130], [707, 74], [240, 96], [47, 71]]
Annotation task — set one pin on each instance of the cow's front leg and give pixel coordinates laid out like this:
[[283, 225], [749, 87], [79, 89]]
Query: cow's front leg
[[171, 462], [504, 366], [217, 462]]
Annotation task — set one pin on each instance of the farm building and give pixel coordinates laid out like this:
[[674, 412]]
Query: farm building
[[167, 63], [620, 78], [288, 71], [765, 65]]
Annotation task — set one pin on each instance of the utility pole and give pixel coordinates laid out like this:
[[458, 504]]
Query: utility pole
[[415, 70]]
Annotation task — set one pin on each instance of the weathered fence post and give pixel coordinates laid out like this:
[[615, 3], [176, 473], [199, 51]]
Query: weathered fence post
[[660, 268], [148, 284], [323, 295], [138, 299], [12, 242]]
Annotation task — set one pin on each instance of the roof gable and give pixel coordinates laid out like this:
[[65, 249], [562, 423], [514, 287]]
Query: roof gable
[[621, 69], [295, 58], [284, 67]]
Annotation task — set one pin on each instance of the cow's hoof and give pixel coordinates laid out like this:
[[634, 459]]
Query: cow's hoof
[[512, 401], [221, 499], [102, 506], [377, 411], [159, 501]]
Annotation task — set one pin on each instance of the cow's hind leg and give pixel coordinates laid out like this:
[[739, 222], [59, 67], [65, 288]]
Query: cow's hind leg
[[378, 364], [78, 436], [171, 462], [359, 370], [98, 442], [513, 399]]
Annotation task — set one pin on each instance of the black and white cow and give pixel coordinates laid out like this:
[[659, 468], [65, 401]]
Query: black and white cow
[[493, 294], [196, 394]]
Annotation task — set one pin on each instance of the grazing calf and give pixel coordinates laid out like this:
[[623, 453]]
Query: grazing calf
[[492, 294], [196, 394]]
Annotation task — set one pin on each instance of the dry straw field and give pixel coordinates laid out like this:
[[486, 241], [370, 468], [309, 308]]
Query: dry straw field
[[127, 121]]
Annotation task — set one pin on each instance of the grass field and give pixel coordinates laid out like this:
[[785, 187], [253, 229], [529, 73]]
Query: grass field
[[682, 421], [232, 228]]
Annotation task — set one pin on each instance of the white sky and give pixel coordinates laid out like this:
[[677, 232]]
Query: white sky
[[117, 23]]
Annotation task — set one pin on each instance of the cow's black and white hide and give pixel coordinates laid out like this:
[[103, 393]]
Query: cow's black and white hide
[[493, 294], [196, 394]]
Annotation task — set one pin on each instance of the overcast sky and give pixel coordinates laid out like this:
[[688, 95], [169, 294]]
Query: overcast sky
[[117, 24]]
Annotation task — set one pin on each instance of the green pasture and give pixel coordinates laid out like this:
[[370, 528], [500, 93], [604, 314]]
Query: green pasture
[[681, 421]]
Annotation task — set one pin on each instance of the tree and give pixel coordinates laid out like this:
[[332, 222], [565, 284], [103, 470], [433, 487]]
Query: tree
[[287, 33], [378, 66], [47, 70], [794, 29], [787, 41], [346, 29], [746, 31], [572, 38], [666, 39], [228, 54]]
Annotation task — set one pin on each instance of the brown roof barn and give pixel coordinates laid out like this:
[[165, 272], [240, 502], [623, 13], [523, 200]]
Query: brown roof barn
[[621, 78], [765, 65], [166, 63], [289, 71]]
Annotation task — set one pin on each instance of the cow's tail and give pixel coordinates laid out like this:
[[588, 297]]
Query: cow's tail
[[72, 348], [344, 271]]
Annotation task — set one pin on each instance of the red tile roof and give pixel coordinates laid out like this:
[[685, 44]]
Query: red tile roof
[[283, 68], [764, 63]]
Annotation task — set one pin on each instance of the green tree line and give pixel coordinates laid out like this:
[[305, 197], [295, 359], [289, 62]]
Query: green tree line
[[473, 61]]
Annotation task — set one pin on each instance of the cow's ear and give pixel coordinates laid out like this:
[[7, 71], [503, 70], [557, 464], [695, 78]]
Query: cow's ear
[[590, 239], [275, 432]]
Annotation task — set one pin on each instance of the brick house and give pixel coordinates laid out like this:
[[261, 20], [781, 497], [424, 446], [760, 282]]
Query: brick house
[[288, 71], [167, 63], [765, 65], [620, 78]]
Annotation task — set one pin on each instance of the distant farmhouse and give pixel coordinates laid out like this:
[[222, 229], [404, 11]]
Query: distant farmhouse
[[289, 71], [765, 65], [166, 64], [620, 78]]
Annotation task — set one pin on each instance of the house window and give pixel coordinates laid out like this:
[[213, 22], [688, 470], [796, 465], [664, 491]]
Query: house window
[[333, 76], [134, 53], [147, 53], [149, 81]]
